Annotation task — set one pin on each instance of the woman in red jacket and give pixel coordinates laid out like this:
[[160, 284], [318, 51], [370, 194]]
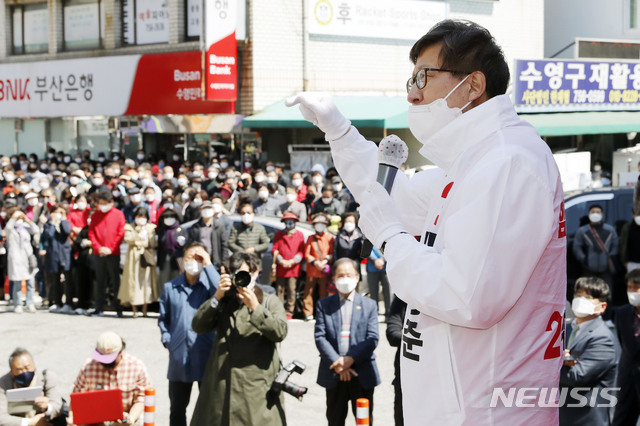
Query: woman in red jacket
[[288, 252]]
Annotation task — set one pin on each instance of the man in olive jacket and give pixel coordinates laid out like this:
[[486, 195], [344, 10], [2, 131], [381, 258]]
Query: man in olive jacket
[[248, 236]]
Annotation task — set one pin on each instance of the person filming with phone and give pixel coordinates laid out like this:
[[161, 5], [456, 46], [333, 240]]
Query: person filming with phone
[[244, 360]]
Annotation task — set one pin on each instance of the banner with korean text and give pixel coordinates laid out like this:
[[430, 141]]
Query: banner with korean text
[[220, 50], [576, 85]]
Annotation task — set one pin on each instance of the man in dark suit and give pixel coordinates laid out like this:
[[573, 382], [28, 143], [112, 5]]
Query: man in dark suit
[[627, 320], [346, 335], [590, 357], [212, 234]]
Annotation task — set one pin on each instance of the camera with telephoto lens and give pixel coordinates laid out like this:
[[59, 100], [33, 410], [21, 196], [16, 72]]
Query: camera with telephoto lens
[[282, 383], [241, 278]]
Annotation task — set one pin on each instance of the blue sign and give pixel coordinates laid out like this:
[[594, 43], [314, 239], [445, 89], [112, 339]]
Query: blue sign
[[577, 85]]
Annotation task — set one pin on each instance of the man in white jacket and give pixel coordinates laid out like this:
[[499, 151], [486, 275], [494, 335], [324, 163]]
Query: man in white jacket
[[476, 247]]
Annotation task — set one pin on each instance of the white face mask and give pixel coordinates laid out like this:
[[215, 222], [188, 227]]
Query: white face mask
[[296, 182], [634, 298], [291, 198], [346, 285], [206, 213], [270, 168], [193, 267], [44, 185], [337, 187], [24, 188], [150, 197], [426, 120], [74, 180], [32, 201], [141, 221], [317, 180], [212, 175], [104, 208], [147, 182], [169, 221], [349, 226], [595, 218], [56, 217], [196, 201], [583, 307], [168, 175], [597, 168], [98, 181], [247, 218], [259, 179], [320, 227], [184, 196], [636, 219], [217, 208], [224, 164], [263, 195], [136, 198], [19, 222], [10, 178], [182, 182], [326, 200], [271, 179], [80, 206]]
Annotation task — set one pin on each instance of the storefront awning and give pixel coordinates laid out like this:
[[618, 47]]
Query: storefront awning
[[389, 112], [584, 123]]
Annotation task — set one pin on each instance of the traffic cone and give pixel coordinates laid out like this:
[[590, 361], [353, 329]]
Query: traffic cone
[[362, 411], [150, 407]]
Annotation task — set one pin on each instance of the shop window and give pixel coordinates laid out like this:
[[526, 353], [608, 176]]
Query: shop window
[[194, 19], [145, 21], [83, 24], [30, 28], [634, 13]]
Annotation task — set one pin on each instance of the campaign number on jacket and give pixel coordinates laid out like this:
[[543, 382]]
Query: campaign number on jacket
[[554, 348]]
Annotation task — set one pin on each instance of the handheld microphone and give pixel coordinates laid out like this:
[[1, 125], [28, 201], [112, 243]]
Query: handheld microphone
[[392, 154]]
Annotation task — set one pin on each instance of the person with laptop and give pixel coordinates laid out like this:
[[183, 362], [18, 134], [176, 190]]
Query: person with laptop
[[28, 396], [110, 367]]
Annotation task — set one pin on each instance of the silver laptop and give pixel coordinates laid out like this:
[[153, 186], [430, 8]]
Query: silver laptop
[[20, 401]]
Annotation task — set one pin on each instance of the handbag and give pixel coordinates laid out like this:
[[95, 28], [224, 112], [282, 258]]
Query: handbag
[[33, 262], [612, 267], [148, 258]]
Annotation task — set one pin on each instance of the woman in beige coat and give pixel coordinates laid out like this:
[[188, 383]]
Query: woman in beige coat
[[139, 277]]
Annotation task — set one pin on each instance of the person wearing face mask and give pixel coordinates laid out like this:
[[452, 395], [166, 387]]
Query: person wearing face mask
[[318, 252], [34, 207], [111, 367], [272, 178], [21, 236], [288, 252], [594, 246], [346, 335], [49, 407], [210, 232], [78, 183], [78, 214], [488, 220], [9, 181], [169, 249], [249, 323], [591, 356], [627, 322], [135, 201], [342, 194], [139, 282], [98, 183], [630, 243], [188, 351], [300, 187], [151, 203], [221, 214], [248, 236], [266, 204], [106, 232], [57, 261], [327, 204], [293, 205], [348, 242]]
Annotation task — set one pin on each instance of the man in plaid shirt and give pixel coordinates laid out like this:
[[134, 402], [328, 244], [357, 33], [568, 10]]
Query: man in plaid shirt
[[111, 368]]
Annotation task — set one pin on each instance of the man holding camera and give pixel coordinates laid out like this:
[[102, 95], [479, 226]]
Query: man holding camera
[[346, 335], [244, 361]]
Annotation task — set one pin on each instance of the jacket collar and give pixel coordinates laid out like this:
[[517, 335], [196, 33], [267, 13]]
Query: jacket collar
[[450, 142]]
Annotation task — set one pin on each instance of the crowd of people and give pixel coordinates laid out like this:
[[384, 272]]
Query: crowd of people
[[65, 219]]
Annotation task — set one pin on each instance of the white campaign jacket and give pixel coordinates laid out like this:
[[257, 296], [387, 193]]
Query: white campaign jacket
[[485, 284]]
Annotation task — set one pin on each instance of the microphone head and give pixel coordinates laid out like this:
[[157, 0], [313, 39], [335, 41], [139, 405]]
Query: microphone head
[[392, 151]]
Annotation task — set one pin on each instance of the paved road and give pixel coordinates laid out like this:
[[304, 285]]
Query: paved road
[[63, 342]]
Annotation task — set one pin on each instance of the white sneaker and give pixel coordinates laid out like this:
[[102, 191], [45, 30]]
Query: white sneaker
[[54, 308], [66, 309], [18, 310], [31, 309], [37, 298]]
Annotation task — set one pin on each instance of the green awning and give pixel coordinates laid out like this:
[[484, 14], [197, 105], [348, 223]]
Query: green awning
[[584, 123], [389, 112]]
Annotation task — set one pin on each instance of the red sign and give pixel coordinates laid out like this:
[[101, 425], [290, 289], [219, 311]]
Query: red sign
[[169, 83], [221, 50]]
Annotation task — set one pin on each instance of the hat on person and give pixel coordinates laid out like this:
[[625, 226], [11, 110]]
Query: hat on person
[[318, 168], [133, 190], [205, 205], [80, 174], [336, 179], [321, 218], [30, 195], [108, 347], [289, 216]]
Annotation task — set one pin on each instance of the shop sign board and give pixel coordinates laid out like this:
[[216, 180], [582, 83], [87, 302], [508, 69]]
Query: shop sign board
[[221, 55], [576, 85], [159, 84]]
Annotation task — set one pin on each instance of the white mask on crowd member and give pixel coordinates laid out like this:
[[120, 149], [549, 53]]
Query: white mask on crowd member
[[224, 164], [74, 180], [636, 219], [196, 186], [80, 205], [317, 180], [349, 227], [270, 168], [9, 177], [196, 201], [291, 198], [147, 182], [212, 175], [184, 196], [595, 217], [217, 208], [193, 267], [583, 307], [426, 120], [259, 178], [56, 217], [634, 298], [206, 213], [150, 197], [98, 181], [320, 227], [247, 218], [167, 206], [271, 179], [176, 158], [104, 208], [19, 222], [169, 221], [141, 221], [346, 285], [32, 202], [168, 175], [136, 198], [44, 185], [182, 182], [326, 200], [140, 157], [263, 195], [296, 182], [24, 188], [337, 187]]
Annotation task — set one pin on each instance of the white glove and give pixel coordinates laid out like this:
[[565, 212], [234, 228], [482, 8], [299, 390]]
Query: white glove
[[181, 240], [318, 108], [379, 219]]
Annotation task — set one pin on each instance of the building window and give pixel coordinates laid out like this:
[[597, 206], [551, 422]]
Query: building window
[[30, 28], [633, 14], [145, 21], [83, 24], [194, 19]]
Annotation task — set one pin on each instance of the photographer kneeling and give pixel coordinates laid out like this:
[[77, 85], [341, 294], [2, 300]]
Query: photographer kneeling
[[244, 360]]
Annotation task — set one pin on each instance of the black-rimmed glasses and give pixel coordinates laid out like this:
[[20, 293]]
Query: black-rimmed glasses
[[420, 79]]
